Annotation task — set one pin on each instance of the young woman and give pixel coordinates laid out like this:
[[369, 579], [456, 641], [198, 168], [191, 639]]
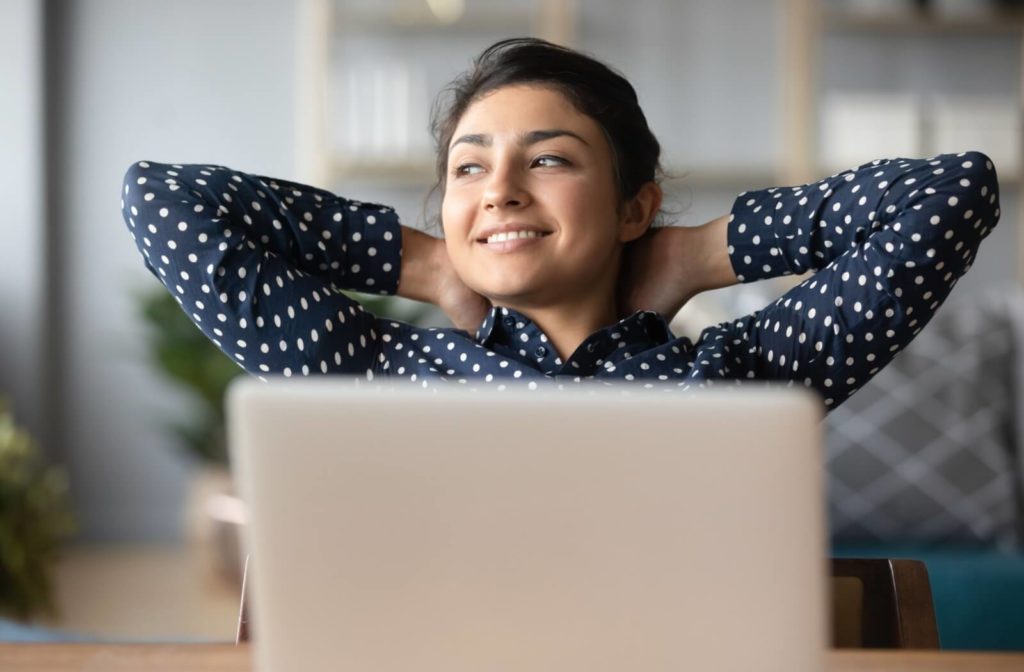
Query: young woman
[[549, 267]]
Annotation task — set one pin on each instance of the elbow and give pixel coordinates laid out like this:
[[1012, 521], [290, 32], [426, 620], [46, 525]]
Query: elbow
[[138, 174], [960, 209], [982, 184], [131, 194]]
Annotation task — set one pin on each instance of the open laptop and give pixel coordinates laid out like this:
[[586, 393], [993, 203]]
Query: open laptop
[[394, 529]]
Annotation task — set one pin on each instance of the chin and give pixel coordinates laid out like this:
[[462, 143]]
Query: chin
[[505, 298], [506, 289]]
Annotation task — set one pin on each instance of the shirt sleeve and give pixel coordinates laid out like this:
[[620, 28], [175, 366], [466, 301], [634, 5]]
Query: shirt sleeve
[[888, 241], [258, 264]]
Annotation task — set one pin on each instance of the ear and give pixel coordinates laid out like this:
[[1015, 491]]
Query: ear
[[639, 212]]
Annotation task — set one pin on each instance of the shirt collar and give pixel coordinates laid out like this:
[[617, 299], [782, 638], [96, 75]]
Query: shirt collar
[[629, 336], [642, 329]]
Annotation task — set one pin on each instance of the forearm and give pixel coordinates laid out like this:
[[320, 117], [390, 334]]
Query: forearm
[[707, 249], [256, 263]]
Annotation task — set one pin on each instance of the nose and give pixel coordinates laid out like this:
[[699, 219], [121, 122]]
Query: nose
[[505, 189]]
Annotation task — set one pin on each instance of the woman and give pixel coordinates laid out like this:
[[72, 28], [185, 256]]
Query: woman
[[549, 267]]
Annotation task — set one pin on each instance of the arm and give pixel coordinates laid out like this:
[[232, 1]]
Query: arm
[[258, 263], [888, 241]]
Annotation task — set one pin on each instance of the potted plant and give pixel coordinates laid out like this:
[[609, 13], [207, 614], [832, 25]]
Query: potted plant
[[35, 519]]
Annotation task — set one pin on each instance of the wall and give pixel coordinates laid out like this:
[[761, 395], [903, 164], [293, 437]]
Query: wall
[[190, 80], [21, 231]]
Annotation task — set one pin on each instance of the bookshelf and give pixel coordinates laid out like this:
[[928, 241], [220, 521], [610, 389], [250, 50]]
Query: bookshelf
[[810, 25]]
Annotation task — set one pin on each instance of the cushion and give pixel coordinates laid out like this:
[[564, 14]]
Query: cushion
[[927, 451]]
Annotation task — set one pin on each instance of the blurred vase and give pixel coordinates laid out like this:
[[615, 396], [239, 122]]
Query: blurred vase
[[214, 517]]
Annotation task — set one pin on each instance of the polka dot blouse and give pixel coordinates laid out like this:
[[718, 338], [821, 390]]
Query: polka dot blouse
[[258, 264]]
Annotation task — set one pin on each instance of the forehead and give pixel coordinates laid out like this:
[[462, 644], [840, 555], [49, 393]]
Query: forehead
[[513, 110]]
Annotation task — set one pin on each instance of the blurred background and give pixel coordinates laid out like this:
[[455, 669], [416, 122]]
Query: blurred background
[[111, 437]]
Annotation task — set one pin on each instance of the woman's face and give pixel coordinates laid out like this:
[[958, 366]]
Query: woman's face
[[523, 159]]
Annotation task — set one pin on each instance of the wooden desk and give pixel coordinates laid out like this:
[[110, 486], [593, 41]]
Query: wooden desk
[[230, 658]]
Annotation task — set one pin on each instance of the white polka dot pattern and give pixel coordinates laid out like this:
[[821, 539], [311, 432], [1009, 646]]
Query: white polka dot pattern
[[888, 241], [257, 263]]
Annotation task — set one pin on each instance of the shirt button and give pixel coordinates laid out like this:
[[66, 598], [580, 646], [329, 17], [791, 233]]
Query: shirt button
[[541, 351], [510, 321], [590, 347]]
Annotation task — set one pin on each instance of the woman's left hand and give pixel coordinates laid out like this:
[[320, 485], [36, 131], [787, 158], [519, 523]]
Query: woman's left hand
[[668, 266], [653, 275]]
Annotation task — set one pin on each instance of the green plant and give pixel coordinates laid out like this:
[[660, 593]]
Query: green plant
[[35, 518], [183, 354]]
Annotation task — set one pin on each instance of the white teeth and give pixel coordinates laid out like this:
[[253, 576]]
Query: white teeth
[[512, 235]]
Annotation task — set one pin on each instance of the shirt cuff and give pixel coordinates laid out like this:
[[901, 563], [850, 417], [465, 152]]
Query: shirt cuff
[[371, 247], [751, 234]]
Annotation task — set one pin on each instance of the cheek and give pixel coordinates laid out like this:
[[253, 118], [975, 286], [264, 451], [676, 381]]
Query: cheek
[[455, 226], [592, 205], [454, 216]]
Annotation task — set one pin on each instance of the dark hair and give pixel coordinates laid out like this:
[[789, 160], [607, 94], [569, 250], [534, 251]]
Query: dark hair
[[592, 87]]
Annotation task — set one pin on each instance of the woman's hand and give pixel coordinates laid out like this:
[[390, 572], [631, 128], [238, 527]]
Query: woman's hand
[[668, 266], [464, 307], [428, 275]]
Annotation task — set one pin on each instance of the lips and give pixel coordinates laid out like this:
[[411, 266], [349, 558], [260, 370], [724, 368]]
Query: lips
[[510, 244]]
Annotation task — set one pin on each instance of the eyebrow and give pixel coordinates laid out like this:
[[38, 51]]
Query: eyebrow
[[525, 139]]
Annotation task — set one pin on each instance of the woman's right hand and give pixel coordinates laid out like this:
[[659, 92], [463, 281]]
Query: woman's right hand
[[427, 275], [464, 307]]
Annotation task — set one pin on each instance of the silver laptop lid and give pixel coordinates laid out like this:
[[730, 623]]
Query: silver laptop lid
[[395, 529]]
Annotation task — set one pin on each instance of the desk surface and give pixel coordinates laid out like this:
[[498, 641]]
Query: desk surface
[[230, 658], [107, 592]]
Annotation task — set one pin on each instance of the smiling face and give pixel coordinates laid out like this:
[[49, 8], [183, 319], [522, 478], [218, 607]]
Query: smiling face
[[524, 159]]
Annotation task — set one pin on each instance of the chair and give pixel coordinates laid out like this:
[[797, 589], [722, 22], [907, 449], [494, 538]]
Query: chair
[[882, 604], [876, 603]]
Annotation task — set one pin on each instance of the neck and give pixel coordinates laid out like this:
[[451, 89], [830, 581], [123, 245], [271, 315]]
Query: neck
[[568, 324]]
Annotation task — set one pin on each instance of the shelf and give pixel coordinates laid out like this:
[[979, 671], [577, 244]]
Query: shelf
[[418, 19], [746, 178], [406, 172], [722, 178], [924, 22], [422, 172]]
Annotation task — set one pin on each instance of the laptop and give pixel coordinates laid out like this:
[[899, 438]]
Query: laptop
[[396, 529]]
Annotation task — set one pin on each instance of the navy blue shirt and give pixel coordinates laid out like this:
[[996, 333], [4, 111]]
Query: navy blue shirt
[[259, 264]]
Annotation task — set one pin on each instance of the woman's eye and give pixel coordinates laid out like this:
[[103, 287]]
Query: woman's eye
[[549, 161], [467, 169]]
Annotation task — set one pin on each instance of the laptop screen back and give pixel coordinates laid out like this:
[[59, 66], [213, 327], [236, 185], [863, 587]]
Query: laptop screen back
[[395, 529]]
